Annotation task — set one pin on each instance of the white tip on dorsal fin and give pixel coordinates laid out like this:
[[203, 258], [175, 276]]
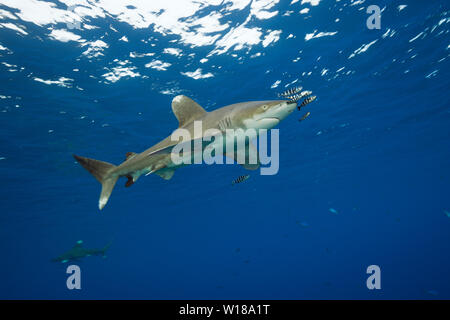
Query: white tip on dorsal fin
[[78, 244], [186, 110]]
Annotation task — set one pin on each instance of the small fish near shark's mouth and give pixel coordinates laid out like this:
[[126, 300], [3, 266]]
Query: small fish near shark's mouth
[[294, 95]]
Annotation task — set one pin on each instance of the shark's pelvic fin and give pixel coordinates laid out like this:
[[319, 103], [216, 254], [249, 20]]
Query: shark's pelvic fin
[[101, 171], [129, 182], [186, 110], [166, 173], [132, 178]]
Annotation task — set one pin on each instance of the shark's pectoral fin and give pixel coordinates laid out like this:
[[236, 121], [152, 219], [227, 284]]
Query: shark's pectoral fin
[[166, 173], [186, 110], [251, 166], [247, 157]]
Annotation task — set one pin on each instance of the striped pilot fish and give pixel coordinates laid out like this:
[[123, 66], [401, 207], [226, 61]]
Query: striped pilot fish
[[240, 179], [290, 92], [306, 101]]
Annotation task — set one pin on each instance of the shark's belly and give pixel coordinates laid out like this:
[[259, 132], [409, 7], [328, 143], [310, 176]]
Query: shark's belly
[[196, 154], [227, 144]]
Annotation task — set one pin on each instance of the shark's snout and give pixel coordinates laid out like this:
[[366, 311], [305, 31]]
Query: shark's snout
[[291, 106], [283, 109], [272, 114]]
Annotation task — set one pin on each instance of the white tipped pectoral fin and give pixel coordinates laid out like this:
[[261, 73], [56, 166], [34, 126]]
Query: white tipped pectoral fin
[[251, 157], [247, 157], [251, 166], [248, 166]]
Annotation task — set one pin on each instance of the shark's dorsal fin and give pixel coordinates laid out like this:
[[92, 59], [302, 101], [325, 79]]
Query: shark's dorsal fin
[[129, 155], [78, 244], [186, 110]]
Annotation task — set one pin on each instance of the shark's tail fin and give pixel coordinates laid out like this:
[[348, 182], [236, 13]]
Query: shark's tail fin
[[105, 248], [101, 171]]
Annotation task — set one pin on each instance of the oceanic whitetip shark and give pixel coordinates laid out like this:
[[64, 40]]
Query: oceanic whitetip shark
[[78, 252], [157, 159]]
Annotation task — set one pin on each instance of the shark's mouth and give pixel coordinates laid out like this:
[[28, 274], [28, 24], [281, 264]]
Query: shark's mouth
[[268, 122]]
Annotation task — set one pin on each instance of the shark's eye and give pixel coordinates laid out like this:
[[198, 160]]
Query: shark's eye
[[264, 107]]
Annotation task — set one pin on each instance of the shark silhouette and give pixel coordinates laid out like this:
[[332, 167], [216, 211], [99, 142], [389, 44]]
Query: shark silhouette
[[255, 115], [78, 252]]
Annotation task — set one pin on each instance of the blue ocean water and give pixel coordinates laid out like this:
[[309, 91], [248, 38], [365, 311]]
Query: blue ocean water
[[364, 180]]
